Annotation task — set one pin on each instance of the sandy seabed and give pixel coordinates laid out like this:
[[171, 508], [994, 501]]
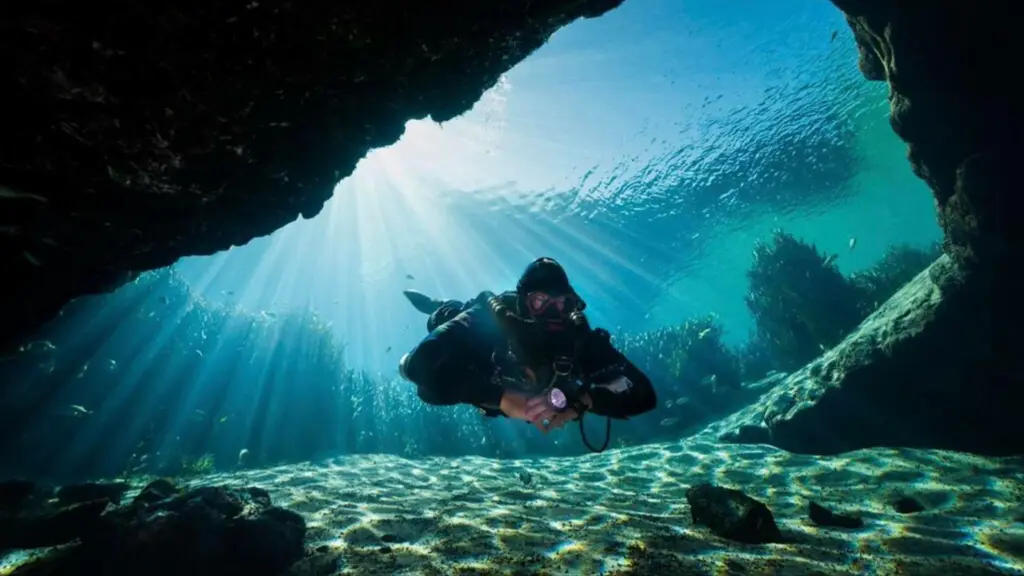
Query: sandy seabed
[[625, 512]]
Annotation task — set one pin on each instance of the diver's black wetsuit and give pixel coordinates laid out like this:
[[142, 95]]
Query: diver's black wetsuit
[[456, 363]]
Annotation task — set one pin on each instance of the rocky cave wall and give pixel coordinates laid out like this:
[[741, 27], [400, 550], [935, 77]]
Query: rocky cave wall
[[134, 135], [938, 365], [958, 109], [138, 135]]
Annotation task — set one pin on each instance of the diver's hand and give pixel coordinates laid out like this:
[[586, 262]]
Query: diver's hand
[[538, 412], [514, 404], [560, 419], [529, 408]]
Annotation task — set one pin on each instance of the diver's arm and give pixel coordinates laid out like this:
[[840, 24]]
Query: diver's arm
[[452, 364], [618, 388]]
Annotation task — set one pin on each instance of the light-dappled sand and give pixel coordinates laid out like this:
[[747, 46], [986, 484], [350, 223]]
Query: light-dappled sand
[[625, 512]]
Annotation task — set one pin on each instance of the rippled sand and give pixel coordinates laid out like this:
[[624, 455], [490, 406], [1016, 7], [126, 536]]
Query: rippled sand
[[625, 512]]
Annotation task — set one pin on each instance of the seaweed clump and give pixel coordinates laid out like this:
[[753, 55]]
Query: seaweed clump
[[199, 466], [183, 383], [756, 358], [801, 303], [899, 265], [691, 356], [697, 375]]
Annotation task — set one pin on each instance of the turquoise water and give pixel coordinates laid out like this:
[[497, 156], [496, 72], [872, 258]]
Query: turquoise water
[[646, 150], [650, 151]]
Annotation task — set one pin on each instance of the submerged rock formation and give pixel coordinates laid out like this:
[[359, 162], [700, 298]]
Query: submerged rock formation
[[133, 137], [163, 531], [938, 365], [958, 110], [918, 372]]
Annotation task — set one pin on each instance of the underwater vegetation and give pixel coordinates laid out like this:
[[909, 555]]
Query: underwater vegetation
[[695, 372], [691, 355], [803, 305], [215, 387], [203, 383], [897, 266]]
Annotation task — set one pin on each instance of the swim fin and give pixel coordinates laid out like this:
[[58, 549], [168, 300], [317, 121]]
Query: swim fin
[[422, 302]]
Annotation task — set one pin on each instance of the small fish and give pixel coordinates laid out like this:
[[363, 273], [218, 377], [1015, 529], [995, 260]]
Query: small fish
[[222, 420], [165, 300], [387, 350], [710, 382], [410, 277], [229, 292], [199, 353], [39, 345], [111, 365], [78, 410], [703, 333], [853, 242], [269, 314], [831, 258], [669, 421], [835, 34], [668, 404]]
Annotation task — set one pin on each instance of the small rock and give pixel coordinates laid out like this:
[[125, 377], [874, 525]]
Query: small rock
[[156, 491], [732, 514], [209, 531], [389, 538], [385, 550], [825, 517]]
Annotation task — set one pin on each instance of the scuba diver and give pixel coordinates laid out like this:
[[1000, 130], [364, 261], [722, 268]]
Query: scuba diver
[[528, 354]]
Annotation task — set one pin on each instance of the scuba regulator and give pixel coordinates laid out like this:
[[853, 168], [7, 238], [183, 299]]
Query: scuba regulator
[[565, 389]]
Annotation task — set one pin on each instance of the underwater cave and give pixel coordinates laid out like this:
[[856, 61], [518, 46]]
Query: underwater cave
[[231, 232]]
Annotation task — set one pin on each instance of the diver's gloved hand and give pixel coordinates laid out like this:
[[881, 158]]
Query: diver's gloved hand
[[422, 302]]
